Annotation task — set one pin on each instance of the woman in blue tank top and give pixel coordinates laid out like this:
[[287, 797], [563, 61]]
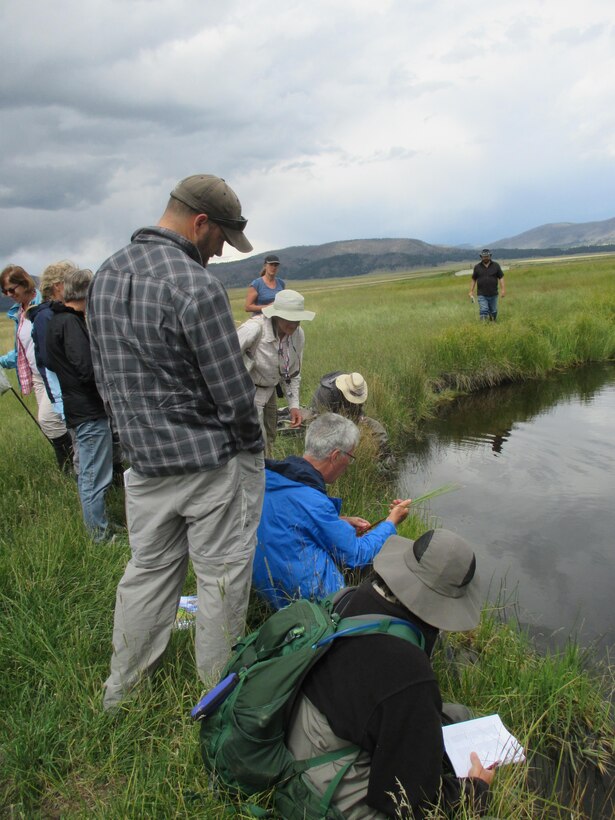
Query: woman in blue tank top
[[262, 290]]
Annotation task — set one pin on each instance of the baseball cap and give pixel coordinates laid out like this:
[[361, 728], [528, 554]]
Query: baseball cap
[[272, 259], [434, 577], [208, 194], [485, 252]]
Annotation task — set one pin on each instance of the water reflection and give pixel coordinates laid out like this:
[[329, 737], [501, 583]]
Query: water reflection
[[536, 464]]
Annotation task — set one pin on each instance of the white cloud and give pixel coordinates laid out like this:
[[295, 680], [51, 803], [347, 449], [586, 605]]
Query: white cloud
[[444, 121]]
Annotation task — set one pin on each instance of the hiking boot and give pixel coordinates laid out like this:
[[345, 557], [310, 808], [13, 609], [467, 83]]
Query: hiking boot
[[63, 446]]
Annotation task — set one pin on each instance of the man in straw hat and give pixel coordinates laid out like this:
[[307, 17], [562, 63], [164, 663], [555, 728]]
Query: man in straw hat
[[379, 692], [168, 365]]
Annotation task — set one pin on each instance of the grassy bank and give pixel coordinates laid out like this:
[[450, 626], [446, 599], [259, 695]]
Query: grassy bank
[[416, 341]]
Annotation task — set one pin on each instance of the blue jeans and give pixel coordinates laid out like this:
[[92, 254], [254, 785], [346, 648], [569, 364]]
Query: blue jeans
[[95, 474], [488, 307]]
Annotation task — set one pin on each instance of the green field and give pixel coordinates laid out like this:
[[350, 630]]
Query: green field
[[417, 341]]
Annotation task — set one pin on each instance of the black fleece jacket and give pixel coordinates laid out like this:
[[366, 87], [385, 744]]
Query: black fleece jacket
[[380, 692], [68, 355]]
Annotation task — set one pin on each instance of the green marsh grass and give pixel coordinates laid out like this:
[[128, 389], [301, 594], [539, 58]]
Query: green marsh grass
[[417, 341]]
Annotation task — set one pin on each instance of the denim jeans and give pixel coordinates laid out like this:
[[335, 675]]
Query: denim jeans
[[95, 474], [488, 307]]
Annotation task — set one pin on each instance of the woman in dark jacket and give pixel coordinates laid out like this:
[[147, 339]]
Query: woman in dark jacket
[[68, 353]]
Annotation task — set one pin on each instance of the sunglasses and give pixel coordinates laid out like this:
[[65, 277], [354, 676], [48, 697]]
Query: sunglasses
[[233, 224], [10, 291]]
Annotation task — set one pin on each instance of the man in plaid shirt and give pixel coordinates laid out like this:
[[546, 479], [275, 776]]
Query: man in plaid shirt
[[169, 369]]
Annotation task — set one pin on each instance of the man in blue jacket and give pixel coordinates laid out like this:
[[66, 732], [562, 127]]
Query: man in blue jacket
[[303, 542]]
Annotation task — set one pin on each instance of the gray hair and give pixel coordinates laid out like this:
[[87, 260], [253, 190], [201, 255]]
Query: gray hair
[[330, 432], [76, 284]]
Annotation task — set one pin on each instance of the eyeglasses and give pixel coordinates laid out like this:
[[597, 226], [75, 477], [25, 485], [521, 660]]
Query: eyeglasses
[[10, 291], [350, 455]]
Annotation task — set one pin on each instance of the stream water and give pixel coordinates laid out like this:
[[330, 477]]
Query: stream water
[[536, 467]]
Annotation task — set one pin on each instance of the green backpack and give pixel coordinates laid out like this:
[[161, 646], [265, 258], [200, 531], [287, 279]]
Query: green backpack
[[246, 716]]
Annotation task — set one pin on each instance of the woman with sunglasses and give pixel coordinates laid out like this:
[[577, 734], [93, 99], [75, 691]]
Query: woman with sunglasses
[[21, 287], [262, 290]]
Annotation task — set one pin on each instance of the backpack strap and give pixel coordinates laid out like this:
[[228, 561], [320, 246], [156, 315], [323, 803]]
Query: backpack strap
[[338, 602], [366, 625], [332, 787]]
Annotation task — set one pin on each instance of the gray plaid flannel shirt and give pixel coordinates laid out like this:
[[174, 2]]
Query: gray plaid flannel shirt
[[167, 360]]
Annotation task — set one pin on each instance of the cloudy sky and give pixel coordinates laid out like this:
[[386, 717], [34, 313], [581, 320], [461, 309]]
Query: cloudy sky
[[451, 121]]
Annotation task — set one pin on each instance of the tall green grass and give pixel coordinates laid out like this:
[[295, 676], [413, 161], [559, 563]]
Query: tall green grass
[[416, 341]]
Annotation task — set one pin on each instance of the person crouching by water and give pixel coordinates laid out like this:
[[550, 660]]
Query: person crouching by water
[[272, 345], [380, 693], [346, 394], [262, 290], [303, 543]]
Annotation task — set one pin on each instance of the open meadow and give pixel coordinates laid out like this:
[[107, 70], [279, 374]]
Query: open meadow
[[417, 340]]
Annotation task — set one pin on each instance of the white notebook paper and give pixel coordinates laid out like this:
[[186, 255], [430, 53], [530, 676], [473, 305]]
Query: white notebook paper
[[488, 737]]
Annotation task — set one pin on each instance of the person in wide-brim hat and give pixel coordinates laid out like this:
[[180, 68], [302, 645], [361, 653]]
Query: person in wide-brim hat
[[272, 345], [380, 693]]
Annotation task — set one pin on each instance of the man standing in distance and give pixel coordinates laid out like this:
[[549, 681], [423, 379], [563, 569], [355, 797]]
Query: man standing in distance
[[169, 368], [486, 274]]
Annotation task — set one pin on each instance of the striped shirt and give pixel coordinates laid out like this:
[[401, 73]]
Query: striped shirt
[[167, 360]]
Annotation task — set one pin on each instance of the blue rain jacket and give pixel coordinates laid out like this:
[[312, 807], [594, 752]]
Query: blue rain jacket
[[301, 541]]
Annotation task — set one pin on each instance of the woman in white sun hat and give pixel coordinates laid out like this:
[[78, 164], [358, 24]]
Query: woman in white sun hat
[[272, 344]]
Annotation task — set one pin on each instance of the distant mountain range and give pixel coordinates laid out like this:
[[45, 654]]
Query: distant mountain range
[[562, 235], [354, 257], [360, 256]]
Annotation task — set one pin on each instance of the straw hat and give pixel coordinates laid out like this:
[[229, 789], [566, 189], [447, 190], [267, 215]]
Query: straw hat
[[353, 386]]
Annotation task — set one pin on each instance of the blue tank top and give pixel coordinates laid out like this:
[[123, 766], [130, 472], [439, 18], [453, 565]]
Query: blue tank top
[[264, 294]]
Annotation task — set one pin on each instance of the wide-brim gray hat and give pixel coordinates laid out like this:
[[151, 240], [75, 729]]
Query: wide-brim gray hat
[[434, 577], [289, 305]]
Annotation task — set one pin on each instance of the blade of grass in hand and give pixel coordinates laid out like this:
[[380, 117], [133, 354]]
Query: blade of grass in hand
[[445, 488]]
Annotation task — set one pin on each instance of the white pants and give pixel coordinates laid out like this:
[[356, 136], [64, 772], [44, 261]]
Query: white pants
[[52, 424]]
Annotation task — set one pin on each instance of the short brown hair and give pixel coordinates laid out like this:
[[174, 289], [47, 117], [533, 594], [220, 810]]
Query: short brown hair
[[16, 275]]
